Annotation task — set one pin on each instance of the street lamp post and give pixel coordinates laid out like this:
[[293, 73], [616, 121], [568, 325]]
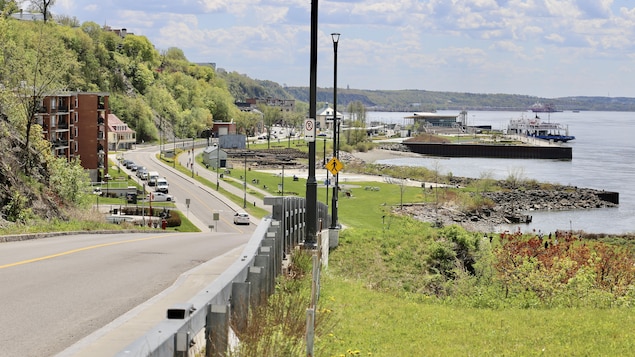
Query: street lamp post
[[192, 163], [217, 163], [107, 178], [324, 159], [311, 183], [245, 185], [336, 124]]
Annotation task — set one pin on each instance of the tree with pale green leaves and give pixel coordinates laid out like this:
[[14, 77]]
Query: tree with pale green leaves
[[8, 7], [34, 65], [271, 116], [356, 132]]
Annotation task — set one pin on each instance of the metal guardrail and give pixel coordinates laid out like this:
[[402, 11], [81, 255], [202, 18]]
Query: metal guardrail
[[204, 321]]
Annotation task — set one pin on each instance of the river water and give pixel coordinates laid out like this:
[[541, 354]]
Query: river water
[[603, 158]]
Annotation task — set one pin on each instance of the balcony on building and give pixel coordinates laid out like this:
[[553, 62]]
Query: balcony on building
[[60, 143], [101, 105], [62, 125]]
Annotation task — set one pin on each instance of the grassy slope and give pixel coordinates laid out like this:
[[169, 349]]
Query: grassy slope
[[373, 320], [380, 324]]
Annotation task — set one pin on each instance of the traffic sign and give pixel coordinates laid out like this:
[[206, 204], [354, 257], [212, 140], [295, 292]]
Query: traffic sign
[[334, 166], [309, 130]]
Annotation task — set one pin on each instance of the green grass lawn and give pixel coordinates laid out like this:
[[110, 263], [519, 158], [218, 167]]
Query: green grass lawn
[[381, 324]]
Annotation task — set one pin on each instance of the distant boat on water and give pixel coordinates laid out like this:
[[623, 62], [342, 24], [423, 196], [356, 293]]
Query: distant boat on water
[[543, 108], [536, 128]]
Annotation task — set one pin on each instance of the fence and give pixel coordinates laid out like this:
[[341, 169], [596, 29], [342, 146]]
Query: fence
[[203, 323]]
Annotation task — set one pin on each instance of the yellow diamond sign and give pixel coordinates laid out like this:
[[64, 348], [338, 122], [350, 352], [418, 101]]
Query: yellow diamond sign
[[334, 166]]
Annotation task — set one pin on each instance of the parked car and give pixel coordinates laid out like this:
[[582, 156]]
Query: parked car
[[241, 218], [141, 170], [161, 185], [160, 197], [133, 167]]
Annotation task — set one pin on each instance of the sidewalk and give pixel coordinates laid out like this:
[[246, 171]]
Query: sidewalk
[[202, 171]]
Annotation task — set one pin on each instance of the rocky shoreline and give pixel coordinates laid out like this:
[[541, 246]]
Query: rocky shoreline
[[510, 206]]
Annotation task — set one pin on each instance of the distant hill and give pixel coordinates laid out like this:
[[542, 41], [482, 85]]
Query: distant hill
[[243, 87], [423, 100]]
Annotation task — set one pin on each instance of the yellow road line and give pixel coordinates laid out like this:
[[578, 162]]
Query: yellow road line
[[73, 251]]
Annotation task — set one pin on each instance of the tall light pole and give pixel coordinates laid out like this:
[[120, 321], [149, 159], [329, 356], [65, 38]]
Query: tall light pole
[[311, 183], [336, 133], [245, 185], [217, 163]]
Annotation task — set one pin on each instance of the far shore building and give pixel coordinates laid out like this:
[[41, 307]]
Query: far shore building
[[120, 136], [75, 123]]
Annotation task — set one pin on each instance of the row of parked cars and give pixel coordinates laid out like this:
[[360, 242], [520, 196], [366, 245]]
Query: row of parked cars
[[161, 188], [160, 184]]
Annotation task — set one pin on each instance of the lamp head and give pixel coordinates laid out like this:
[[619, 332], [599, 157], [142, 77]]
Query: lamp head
[[336, 37]]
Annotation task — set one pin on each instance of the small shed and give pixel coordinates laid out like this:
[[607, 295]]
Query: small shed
[[214, 157]]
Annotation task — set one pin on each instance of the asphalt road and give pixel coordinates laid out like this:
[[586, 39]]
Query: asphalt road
[[57, 290], [204, 202]]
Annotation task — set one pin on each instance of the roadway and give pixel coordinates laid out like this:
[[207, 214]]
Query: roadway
[[63, 293], [204, 201]]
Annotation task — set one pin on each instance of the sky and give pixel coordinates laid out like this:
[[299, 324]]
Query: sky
[[543, 48]]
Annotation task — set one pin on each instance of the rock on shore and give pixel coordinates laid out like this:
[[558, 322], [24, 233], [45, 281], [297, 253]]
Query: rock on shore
[[511, 205]]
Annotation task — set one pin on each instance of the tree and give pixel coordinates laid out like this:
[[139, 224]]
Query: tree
[[357, 111], [8, 7], [271, 116], [34, 64], [246, 122], [43, 6], [357, 123], [140, 49]]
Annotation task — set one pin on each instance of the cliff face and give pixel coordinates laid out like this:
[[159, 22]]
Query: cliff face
[[23, 197]]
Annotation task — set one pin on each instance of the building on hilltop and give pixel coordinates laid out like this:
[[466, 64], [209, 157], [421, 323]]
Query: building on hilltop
[[119, 32], [75, 123]]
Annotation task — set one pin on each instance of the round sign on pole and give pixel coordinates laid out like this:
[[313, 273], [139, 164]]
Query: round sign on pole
[[309, 130]]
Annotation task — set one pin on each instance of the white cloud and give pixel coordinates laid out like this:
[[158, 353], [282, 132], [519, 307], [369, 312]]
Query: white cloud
[[389, 42]]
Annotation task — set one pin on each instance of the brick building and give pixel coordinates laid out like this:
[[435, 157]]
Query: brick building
[[75, 123]]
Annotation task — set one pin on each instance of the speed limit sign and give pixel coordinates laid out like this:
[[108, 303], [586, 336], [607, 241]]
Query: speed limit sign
[[309, 130]]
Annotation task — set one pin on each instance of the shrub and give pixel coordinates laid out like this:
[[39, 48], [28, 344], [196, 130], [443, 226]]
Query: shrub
[[175, 219]]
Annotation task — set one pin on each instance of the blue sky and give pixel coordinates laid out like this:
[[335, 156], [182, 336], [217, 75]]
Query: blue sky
[[545, 48]]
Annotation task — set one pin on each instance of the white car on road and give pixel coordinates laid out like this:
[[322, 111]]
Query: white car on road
[[160, 197], [241, 218]]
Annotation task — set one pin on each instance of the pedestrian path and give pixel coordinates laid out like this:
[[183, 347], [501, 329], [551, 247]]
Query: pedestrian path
[[212, 176]]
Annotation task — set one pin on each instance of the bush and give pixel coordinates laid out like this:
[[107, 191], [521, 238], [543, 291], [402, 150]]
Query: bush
[[175, 219]]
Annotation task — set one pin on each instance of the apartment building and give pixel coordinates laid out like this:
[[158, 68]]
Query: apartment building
[[75, 123]]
